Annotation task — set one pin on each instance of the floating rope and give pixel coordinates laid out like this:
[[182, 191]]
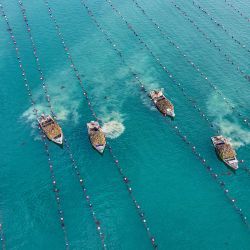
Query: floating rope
[[220, 25], [184, 138], [35, 111], [125, 179], [212, 173], [188, 97], [135, 76], [137, 79], [215, 45], [73, 161], [2, 237], [165, 35], [237, 10], [113, 45], [196, 67], [245, 120]]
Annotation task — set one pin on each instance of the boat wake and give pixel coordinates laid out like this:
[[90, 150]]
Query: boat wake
[[229, 127], [64, 96], [113, 126]]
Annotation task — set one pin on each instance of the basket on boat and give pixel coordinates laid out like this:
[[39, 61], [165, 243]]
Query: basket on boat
[[164, 104], [226, 151], [98, 138]]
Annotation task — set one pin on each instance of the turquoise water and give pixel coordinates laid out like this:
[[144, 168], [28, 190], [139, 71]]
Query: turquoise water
[[185, 207]]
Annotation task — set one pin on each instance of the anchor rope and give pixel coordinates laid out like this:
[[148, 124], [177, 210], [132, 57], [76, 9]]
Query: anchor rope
[[125, 179], [237, 10], [165, 35], [245, 120], [46, 145], [184, 138], [212, 43], [221, 26], [69, 151]]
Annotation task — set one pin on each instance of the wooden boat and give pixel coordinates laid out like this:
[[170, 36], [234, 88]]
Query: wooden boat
[[162, 103], [225, 151], [96, 136], [51, 129]]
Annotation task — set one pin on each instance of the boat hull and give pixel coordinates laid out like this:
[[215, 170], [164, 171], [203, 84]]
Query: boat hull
[[232, 162], [162, 103], [57, 138], [96, 137]]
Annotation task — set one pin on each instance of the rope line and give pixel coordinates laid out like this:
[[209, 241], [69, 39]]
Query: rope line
[[113, 45], [220, 25], [184, 138], [125, 179], [2, 237], [237, 10], [73, 161], [196, 67], [212, 173], [212, 43], [46, 146], [245, 120]]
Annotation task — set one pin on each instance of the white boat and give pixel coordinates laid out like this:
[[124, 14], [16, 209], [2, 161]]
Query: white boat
[[162, 103], [225, 151], [51, 129], [96, 136]]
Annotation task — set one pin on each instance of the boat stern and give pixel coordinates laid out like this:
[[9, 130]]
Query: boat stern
[[233, 163], [58, 140], [100, 148], [171, 113]]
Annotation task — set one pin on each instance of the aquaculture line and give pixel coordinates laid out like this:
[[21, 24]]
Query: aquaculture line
[[237, 10], [126, 181], [129, 25], [196, 67], [73, 161], [192, 101], [220, 25], [137, 79], [46, 146], [215, 45], [165, 35], [2, 237], [184, 138]]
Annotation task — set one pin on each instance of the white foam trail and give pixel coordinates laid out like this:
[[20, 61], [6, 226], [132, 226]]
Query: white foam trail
[[230, 127], [239, 136], [113, 125], [65, 101]]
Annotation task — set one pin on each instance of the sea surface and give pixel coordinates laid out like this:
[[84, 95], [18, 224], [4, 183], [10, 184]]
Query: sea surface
[[183, 204]]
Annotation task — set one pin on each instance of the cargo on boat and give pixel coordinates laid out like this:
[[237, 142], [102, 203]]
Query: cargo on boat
[[225, 151], [96, 136], [162, 103], [51, 129]]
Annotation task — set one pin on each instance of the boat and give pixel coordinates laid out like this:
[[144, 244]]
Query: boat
[[162, 103], [96, 136], [51, 129], [225, 151]]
